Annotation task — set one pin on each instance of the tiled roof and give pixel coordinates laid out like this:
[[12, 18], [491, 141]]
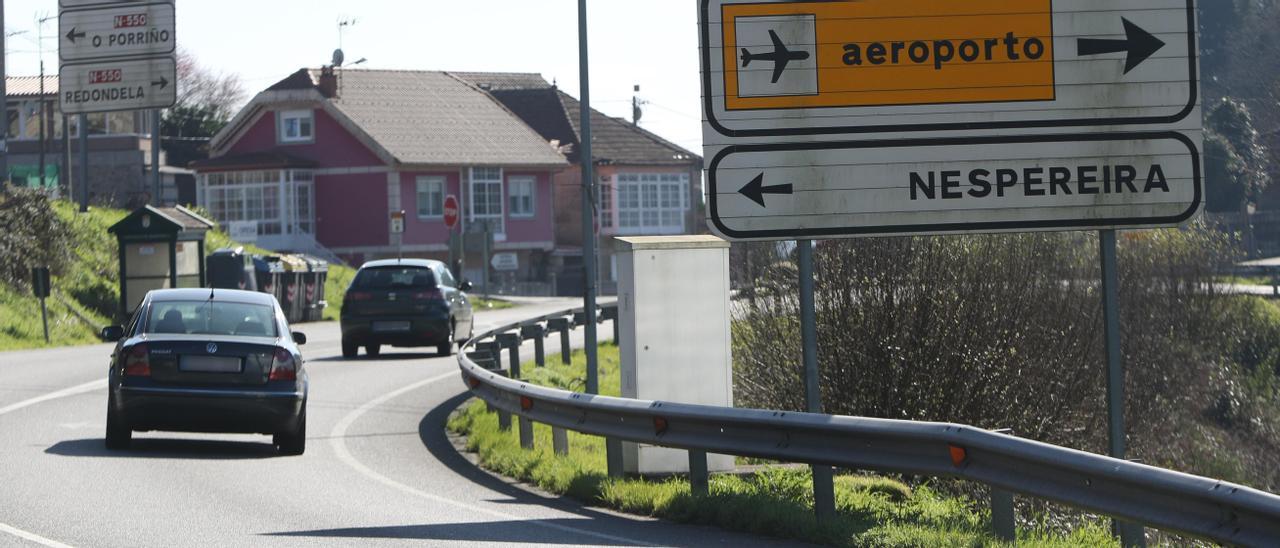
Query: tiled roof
[[425, 117], [29, 86], [555, 115], [500, 81]]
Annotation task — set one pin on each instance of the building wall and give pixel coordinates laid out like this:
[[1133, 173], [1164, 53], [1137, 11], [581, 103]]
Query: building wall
[[333, 145], [540, 227], [417, 230]]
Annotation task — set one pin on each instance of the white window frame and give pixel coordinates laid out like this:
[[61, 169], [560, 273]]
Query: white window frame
[[528, 182], [607, 199], [308, 116], [497, 221], [640, 202], [424, 185]]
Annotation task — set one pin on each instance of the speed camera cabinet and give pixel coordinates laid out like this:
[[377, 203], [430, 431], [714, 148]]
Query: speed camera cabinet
[[673, 309]]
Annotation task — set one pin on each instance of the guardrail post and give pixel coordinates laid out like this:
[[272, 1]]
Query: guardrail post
[[561, 325], [1002, 517], [504, 418], [699, 482], [610, 313], [537, 333], [526, 433], [512, 342], [613, 456], [560, 440]]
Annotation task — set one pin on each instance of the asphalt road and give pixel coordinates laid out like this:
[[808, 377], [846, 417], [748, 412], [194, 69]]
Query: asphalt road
[[378, 468]]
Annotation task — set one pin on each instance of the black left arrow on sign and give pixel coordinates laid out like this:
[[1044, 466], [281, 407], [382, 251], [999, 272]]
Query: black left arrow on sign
[[72, 35], [1138, 43], [755, 190]]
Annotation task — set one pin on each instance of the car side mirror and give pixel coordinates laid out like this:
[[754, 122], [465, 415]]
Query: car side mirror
[[299, 338], [112, 334], [465, 286]]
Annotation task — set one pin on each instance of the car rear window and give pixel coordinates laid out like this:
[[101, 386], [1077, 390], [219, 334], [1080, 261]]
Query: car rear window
[[211, 318], [394, 277]]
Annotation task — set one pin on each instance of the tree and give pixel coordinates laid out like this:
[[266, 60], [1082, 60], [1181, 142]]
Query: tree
[[1236, 161], [207, 100]]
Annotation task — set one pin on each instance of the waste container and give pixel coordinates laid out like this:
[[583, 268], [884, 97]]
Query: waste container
[[313, 289], [294, 302], [231, 268], [268, 272]]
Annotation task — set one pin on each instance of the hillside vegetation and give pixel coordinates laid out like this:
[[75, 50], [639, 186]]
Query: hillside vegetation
[[35, 230]]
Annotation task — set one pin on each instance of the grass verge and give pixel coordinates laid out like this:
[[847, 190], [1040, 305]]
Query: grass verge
[[778, 502]]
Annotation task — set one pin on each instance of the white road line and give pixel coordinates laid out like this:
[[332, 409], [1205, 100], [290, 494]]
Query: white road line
[[74, 390], [338, 440], [31, 537], [67, 392]]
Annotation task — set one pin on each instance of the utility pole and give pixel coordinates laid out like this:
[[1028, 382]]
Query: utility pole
[[43, 102], [636, 113], [4, 102]]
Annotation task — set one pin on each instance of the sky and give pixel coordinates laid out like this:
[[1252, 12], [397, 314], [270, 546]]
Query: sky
[[651, 43]]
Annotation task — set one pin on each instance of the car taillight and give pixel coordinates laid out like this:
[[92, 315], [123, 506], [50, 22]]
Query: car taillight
[[283, 366], [359, 296], [137, 361], [429, 295]]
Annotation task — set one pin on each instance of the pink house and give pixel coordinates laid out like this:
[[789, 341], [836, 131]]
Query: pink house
[[319, 161]]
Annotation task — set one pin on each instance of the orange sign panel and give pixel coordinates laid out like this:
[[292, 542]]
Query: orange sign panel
[[887, 52]]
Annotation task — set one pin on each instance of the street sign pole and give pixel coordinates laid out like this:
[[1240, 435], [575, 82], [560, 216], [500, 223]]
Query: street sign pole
[[824, 495], [84, 163], [4, 100], [613, 447], [157, 196], [1130, 534]]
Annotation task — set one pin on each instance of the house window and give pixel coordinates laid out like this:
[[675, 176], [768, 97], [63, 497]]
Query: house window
[[521, 196], [486, 199], [430, 197], [606, 201], [297, 126], [652, 203], [281, 202]]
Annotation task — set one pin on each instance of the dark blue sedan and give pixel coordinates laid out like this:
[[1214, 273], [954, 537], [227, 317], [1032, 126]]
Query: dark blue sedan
[[202, 360]]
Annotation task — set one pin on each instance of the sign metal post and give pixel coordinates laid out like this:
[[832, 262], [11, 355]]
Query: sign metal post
[[907, 117], [117, 56], [42, 286]]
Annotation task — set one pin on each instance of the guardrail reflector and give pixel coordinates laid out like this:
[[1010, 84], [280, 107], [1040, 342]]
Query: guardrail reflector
[[659, 426], [958, 455], [526, 403], [473, 382]]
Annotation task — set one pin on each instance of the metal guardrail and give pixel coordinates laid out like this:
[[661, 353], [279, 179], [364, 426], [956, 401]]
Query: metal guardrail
[[1164, 499]]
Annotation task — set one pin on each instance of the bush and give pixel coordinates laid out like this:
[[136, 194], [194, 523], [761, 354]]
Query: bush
[[1005, 331], [30, 235]]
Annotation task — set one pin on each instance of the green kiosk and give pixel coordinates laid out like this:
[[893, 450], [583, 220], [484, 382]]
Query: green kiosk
[[160, 247]]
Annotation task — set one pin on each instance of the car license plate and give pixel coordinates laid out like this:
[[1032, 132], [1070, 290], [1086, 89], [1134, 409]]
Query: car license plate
[[210, 364], [390, 327]]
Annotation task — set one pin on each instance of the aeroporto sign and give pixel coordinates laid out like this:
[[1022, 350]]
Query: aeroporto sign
[[845, 118], [934, 66]]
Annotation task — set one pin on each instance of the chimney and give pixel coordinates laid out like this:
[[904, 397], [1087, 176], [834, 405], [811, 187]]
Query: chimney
[[328, 82]]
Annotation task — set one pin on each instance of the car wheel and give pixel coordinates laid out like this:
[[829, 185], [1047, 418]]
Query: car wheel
[[119, 435], [349, 349], [293, 443], [446, 348], [373, 350]]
